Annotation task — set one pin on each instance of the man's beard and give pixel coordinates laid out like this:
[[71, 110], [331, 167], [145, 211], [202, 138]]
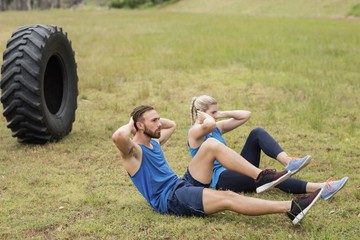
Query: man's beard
[[151, 134]]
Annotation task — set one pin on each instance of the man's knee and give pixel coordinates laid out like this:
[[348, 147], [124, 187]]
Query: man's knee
[[211, 143], [228, 198]]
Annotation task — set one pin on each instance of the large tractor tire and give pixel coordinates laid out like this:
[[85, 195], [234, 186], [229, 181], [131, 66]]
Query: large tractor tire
[[39, 84]]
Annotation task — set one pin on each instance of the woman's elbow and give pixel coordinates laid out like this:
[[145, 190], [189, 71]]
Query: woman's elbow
[[210, 126]]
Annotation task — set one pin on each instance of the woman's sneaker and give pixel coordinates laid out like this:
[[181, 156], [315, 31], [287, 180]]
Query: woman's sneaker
[[296, 165], [269, 178], [302, 204], [332, 187]]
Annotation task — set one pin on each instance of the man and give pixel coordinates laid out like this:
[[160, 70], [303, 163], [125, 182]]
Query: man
[[168, 194]]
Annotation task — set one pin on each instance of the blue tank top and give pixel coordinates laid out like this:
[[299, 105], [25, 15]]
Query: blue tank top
[[154, 179], [218, 168]]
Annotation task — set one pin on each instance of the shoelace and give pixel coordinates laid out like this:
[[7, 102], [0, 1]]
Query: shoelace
[[329, 188], [302, 196], [296, 201], [265, 171]]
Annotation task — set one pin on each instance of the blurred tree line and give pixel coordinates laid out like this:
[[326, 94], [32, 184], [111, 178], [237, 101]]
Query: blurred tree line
[[36, 4], [25, 5], [135, 3]]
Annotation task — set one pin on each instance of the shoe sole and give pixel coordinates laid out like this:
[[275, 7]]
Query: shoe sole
[[308, 160], [273, 183], [302, 214], [330, 196]]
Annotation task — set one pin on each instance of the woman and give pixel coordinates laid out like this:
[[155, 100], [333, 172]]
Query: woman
[[204, 113]]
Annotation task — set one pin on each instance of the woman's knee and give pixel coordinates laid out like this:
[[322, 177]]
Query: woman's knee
[[257, 132]]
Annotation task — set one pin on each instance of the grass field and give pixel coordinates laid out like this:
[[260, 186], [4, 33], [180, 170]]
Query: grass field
[[296, 69]]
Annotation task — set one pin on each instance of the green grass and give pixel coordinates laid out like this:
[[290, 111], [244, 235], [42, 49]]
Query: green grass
[[298, 75], [299, 8]]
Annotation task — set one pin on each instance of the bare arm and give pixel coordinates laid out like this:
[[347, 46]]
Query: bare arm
[[206, 124], [236, 119], [167, 128], [129, 150]]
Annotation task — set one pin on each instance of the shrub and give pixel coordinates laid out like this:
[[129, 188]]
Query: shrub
[[355, 10], [116, 3], [134, 3]]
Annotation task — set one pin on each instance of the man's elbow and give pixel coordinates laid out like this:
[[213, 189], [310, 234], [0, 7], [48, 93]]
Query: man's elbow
[[170, 125], [114, 137], [248, 115], [173, 125], [117, 136]]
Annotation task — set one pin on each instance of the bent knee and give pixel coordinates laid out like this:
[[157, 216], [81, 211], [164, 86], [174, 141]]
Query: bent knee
[[211, 143], [256, 132]]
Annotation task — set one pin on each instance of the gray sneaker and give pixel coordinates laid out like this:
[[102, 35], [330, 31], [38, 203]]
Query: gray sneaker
[[331, 188], [296, 165]]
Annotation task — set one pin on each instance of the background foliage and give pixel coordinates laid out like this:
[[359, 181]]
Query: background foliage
[[46, 4], [243, 6], [355, 10]]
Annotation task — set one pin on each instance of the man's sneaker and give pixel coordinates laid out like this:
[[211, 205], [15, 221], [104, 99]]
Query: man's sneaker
[[332, 187], [269, 178], [296, 165], [302, 204]]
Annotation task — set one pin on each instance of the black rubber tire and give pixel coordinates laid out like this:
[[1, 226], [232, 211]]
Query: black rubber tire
[[39, 84]]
